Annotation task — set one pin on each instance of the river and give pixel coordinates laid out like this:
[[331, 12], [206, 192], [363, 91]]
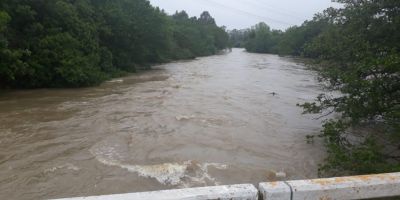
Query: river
[[209, 121]]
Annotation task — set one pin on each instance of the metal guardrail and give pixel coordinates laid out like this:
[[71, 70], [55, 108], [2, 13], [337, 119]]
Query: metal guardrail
[[351, 187]]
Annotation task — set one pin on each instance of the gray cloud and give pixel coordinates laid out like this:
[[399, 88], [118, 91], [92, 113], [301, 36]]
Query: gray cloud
[[279, 14]]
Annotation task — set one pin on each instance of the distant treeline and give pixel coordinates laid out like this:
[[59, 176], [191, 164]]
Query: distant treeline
[[295, 41], [357, 48], [74, 43]]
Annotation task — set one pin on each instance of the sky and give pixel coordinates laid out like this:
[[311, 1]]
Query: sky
[[240, 14]]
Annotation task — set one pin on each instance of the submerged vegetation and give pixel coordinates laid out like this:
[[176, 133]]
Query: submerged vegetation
[[74, 43], [357, 48]]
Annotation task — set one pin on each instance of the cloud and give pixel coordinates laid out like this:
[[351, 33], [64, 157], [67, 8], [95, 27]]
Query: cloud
[[245, 13]]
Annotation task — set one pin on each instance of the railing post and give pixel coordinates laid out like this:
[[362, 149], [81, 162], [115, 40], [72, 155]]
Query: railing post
[[275, 191]]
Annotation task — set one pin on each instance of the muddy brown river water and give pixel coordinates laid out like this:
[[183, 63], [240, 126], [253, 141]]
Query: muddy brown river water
[[209, 121]]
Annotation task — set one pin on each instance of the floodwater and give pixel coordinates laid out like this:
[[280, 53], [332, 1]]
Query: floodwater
[[210, 121]]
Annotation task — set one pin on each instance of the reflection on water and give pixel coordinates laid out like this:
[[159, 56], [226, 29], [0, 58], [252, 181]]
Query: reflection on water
[[209, 121]]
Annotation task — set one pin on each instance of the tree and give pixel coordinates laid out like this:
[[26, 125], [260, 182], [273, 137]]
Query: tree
[[361, 58], [205, 18], [260, 39], [4, 19], [65, 43]]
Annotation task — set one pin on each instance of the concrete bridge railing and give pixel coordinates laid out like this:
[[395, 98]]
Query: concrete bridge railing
[[352, 187]]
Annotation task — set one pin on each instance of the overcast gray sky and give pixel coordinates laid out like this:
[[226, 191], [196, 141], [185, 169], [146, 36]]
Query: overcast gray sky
[[279, 14]]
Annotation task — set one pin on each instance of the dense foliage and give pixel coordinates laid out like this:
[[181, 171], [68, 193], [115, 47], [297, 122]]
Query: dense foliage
[[72, 43], [261, 39], [358, 50], [238, 38]]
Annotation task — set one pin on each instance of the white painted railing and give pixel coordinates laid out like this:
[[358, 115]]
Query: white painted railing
[[352, 187], [229, 192]]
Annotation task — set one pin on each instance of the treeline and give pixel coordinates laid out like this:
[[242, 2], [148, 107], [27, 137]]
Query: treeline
[[357, 48], [74, 43], [262, 39], [258, 39]]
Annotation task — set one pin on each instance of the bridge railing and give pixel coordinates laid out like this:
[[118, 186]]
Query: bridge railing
[[351, 187]]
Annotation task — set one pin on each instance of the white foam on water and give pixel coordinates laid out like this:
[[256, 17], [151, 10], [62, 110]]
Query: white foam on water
[[176, 174], [115, 81], [202, 176], [167, 173], [184, 117], [67, 166]]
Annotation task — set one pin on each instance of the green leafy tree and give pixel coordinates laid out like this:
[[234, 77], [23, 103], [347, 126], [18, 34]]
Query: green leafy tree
[[65, 43], [260, 39], [359, 54]]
